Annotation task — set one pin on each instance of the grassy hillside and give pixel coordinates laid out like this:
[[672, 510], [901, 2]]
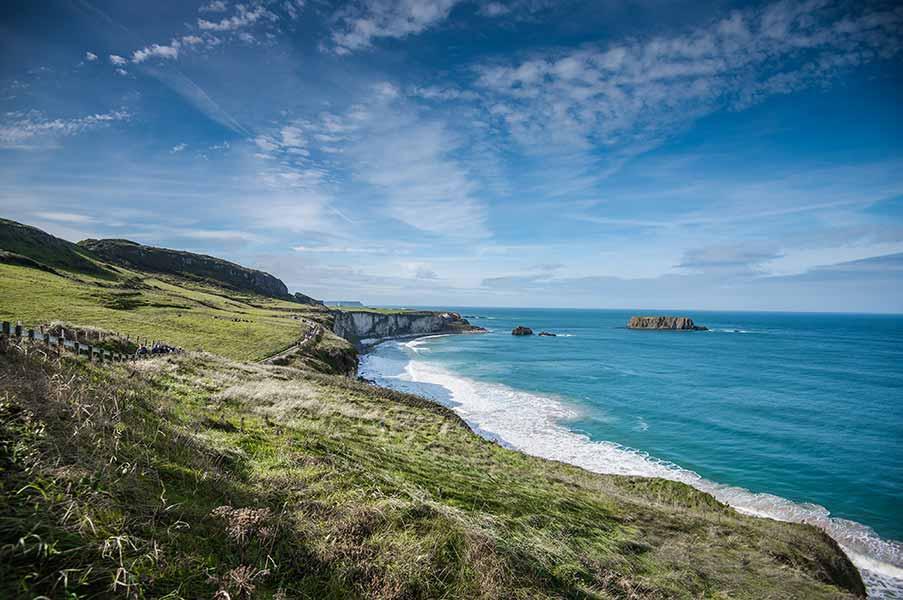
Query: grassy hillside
[[186, 475], [50, 251], [181, 313]]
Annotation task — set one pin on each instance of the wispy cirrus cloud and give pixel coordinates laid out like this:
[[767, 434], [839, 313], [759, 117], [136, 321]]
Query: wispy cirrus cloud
[[243, 17], [637, 93], [409, 159], [32, 129], [365, 21], [217, 6]]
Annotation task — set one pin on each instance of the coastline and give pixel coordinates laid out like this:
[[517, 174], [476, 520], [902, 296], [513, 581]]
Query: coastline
[[541, 431]]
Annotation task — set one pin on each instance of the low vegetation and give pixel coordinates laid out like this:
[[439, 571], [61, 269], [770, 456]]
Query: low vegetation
[[192, 475]]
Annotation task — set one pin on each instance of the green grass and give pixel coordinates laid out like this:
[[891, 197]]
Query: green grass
[[190, 315], [186, 475]]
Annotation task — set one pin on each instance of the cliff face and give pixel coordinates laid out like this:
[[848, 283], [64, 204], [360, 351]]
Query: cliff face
[[176, 262], [669, 323], [367, 327]]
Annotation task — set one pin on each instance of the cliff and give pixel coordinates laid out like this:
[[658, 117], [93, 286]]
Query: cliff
[[187, 264], [667, 323], [362, 327]]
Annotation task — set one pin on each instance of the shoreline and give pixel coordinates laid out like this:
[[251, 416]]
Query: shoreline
[[883, 578]]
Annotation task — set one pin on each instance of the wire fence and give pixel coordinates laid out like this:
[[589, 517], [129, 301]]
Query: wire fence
[[70, 344]]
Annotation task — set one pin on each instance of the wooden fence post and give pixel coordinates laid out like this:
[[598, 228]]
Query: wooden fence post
[[18, 329], [7, 328]]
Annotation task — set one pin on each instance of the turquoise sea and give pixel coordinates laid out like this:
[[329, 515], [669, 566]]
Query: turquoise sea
[[792, 416]]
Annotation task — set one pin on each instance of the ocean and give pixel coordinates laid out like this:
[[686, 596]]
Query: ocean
[[797, 417]]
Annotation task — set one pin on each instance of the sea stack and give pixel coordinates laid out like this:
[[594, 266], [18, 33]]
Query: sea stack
[[665, 323], [521, 330]]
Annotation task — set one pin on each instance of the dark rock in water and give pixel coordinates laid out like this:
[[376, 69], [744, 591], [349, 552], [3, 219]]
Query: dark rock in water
[[665, 323], [547, 334], [521, 330]]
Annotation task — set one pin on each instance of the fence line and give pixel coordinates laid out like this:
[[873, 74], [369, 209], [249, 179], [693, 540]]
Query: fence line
[[94, 353]]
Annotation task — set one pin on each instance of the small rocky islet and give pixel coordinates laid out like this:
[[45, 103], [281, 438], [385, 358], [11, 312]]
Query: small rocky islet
[[665, 323]]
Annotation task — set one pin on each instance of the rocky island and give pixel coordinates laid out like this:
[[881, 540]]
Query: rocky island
[[521, 330], [665, 323]]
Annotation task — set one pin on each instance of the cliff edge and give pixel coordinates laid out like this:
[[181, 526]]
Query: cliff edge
[[366, 327]]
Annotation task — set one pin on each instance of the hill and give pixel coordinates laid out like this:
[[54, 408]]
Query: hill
[[188, 265], [203, 473], [188, 311], [26, 242]]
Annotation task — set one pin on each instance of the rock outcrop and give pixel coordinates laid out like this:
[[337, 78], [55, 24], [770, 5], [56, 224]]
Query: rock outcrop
[[665, 323], [547, 334], [187, 264], [521, 330], [365, 328]]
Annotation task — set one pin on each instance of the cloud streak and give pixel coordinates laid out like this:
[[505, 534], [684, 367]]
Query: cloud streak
[[22, 130], [364, 22]]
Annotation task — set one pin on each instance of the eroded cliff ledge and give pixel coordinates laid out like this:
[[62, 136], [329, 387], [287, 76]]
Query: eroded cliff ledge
[[365, 328]]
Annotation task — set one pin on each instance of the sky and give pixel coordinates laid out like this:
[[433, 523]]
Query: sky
[[611, 154]]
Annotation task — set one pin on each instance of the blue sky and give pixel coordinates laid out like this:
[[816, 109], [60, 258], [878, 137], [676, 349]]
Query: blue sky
[[641, 154]]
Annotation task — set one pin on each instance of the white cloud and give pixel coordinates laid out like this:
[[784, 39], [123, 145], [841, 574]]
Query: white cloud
[[64, 217], [336, 249], [118, 60], [372, 19], [243, 17], [90, 56], [192, 40], [178, 148], [122, 72], [494, 9], [170, 52], [21, 129], [213, 7], [293, 8], [409, 160], [634, 94]]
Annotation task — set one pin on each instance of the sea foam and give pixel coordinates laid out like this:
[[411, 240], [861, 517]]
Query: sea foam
[[536, 424]]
